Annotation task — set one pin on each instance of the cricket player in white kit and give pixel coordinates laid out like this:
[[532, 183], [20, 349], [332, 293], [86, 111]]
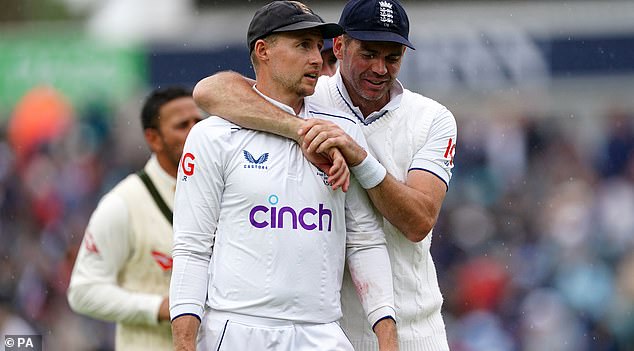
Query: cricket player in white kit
[[123, 268], [412, 136], [260, 237]]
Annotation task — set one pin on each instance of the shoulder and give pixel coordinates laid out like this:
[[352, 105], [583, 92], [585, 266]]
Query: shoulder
[[316, 109], [416, 100], [112, 208], [322, 90], [213, 125], [322, 83], [427, 106], [127, 183], [211, 130]]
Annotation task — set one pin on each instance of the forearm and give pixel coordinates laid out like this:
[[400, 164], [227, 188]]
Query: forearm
[[411, 211], [367, 256], [231, 96], [188, 286], [184, 331], [113, 303], [371, 273], [386, 333]]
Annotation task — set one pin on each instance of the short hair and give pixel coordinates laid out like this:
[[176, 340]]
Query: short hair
[[156, 100], [271, 39]]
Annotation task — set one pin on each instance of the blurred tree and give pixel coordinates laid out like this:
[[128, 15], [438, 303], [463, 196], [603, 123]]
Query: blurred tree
[[33, 10]]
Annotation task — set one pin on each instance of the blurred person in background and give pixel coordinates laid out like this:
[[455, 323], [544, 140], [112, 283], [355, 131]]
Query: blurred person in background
[[123, 267], [329, 67], [249, 276], [412, 136]]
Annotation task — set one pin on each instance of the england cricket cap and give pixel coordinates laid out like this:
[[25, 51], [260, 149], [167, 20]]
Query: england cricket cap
[[376, 20], [286, 16]]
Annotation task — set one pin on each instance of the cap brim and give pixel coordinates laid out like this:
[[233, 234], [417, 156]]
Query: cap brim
[[380, 36], [328, 30]]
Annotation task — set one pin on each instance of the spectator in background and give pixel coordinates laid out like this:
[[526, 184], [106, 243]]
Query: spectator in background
[[329, 67], [123, 267]]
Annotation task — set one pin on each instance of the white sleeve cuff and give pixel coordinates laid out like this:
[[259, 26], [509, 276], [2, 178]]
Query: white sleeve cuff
[[186, 309], [380, 313], [154, 305]]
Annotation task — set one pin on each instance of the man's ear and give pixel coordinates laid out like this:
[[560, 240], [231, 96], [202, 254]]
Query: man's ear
[[153, 139], [337, 47], [261, 50]]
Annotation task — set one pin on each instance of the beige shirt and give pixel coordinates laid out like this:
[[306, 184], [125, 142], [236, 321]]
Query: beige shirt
[[123, 267]]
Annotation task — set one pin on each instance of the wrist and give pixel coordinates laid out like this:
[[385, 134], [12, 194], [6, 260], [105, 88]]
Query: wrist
[[387, 322], [362, 155], [294, 125], [369, 172], [386, 333]]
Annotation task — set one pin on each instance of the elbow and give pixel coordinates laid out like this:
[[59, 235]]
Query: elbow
[[206, 90], [419, 231], [200, 93], [74, 300], [79, 300], [416, 237]]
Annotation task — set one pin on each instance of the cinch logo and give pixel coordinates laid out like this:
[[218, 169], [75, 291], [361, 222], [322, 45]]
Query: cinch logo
[[273, 217], [255, 163]]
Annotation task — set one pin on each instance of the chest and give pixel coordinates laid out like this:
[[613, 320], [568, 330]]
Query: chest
[[273, 170], [393, 142]]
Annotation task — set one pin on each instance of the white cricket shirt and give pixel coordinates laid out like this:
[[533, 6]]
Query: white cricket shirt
[[410, 133], [258, 231]]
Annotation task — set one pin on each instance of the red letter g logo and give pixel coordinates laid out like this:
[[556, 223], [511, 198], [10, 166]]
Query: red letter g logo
[[187, 165]]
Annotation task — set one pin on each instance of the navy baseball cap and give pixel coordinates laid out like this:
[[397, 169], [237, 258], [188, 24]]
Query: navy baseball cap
[[327, 45], [376, 20], [286, 16]]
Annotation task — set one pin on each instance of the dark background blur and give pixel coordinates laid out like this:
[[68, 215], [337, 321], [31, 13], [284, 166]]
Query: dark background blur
[[535, 243]]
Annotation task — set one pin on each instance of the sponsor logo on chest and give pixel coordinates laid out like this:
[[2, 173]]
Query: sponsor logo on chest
[[273, 215], [255, 163]]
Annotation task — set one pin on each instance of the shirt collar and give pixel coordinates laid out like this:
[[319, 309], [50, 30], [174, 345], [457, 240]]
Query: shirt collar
[[396, 94], [157, 171], [284, 107]]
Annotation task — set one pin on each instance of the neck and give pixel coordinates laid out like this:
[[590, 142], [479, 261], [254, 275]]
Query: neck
[[280, 94], [167, 165]]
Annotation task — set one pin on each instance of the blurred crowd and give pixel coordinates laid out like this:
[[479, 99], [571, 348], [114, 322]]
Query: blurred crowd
[[534, 247]]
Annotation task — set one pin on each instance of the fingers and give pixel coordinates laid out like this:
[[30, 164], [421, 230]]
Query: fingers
[[314, 131], [339, 174], [310, 123], [321, 138]]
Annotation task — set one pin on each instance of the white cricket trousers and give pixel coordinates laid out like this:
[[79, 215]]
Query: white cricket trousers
[[226, 331]]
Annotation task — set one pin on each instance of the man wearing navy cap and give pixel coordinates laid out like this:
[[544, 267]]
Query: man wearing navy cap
[[258, 265], [329, 67], [413, 138]]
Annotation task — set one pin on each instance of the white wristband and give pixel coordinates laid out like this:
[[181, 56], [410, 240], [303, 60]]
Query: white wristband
[[369, 172]]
